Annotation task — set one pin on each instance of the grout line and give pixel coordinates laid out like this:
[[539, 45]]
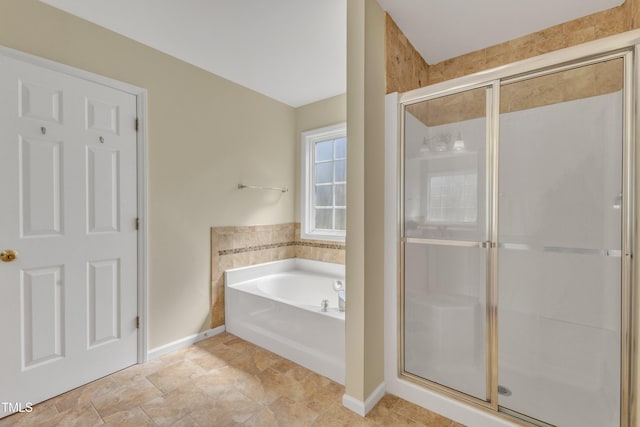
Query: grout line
[[97, 412], [149, 416]]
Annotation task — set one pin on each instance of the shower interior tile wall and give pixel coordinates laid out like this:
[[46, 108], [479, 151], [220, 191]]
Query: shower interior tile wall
[[406, 70], [241, 246], [595, 80]]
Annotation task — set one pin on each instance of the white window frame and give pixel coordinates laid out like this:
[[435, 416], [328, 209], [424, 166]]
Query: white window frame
[[307, 211]]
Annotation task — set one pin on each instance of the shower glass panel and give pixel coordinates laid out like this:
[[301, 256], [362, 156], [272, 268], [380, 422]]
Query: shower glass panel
[[445, 225], [559, 240]]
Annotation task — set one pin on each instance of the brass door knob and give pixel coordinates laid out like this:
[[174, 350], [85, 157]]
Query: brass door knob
[[8, 255]]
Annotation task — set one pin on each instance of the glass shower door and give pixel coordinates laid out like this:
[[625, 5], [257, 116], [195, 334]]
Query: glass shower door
[[560, 248], [444, 242]]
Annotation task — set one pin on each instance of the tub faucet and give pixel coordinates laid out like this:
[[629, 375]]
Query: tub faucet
[[338, 286]]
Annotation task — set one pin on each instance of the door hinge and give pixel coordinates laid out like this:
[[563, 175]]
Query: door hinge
[[137, 223], [137, 322], [137, 124]]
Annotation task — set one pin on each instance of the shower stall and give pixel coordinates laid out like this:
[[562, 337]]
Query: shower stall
[[516, 236]]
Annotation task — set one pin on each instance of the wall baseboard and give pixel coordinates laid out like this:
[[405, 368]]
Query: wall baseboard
[[362, 408], [183, 342]]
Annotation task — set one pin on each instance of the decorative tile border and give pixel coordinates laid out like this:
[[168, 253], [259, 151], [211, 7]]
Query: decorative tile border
[[255, 248], [314, 244], [311, 244]]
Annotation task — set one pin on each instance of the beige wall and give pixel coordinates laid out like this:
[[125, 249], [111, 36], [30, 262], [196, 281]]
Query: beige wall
[[365, 197], [323, 113], [206, 135]]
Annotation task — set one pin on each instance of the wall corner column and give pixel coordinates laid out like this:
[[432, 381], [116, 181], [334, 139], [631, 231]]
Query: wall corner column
[[365, 201]]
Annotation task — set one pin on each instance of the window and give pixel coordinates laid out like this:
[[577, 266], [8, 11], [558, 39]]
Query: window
[[324, 183], [453, 198]]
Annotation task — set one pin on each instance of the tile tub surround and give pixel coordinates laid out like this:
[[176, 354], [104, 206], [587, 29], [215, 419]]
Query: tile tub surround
[[241, 246], [220, 381]]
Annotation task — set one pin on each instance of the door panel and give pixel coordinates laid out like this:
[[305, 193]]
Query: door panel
[[43, 311], [68, 164], [40, 102], [104, 297], [41, 187], [103, 171], [445, 227], [444, 315], [445, 168], [101, 116], [560, 265]]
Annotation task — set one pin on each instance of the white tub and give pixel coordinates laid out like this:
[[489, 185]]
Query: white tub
[[276, 305]]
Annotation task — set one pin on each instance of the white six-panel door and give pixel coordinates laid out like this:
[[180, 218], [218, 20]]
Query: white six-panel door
[[68, 203]]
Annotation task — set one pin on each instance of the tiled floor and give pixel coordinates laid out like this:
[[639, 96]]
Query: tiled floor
[[222, 381]]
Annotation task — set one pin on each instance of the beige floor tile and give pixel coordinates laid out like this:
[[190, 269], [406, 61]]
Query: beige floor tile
[[207, 360], [383, 408], [221, 381], [222, 353], [421, 415], [240, 345], [339, 416], [250, 362], [83, 395], [228, 409], [81, 416], [186, 422], [251, 386], [274, 385], [319, 380], [263, 359], [396, 420], [263, 418], [305, 389], [177, 404], [135, 417], [136, 393], [215, 340], [328, 395], [41, 415], [136, 372], [175, 374], [179, 355], [290, 413], [293, 370]]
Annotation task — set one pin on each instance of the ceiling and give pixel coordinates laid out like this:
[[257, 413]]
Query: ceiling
[[291, 50], [295, 50]]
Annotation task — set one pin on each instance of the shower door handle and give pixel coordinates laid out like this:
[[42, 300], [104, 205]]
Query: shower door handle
[[457, 243]]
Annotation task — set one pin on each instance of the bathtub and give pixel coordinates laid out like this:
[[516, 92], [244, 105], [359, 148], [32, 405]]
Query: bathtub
[[276, 305]]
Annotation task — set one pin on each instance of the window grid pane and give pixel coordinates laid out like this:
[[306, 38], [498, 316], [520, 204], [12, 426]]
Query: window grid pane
[[329, 196], [453, 198], [324, 219]]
